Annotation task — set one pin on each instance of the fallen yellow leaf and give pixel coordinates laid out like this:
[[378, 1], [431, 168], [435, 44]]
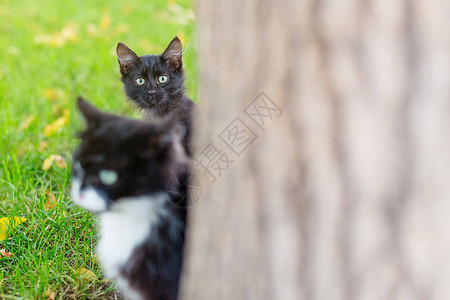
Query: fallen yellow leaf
[[7, 223], [92, 30], [53, 94], [59, 162], [85, 274], [58, 39], [57, 159], [5, 253], [49, 294], [180, 14], [42, 146], [47, 164], [51, 201], [105, 21], [70, 33], [26, 123], [54, 40], [55, 127]]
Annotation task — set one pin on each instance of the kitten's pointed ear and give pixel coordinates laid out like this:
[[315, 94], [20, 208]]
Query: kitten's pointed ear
[[173, 54], [126, 57], [89, 111]]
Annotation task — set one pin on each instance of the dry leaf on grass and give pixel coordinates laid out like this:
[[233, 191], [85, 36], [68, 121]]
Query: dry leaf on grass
[[105, 21], [47, 164], [180, 14], [54, 94], [58, 39], [55, 126], [26, 123], [59, 162], [57, 159], [51, 201], [5, 253], [8, 223], [85, 274], [49, 294], [42, 146]]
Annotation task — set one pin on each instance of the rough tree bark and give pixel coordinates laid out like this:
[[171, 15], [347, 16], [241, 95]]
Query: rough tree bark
[[346, 195]]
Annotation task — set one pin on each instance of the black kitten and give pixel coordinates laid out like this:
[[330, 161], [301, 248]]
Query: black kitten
[[155, 83], [123, 170]]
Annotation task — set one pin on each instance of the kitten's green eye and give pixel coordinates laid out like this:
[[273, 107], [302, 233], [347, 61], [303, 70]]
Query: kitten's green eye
[[140, 81], [163, 79], [107, 177]]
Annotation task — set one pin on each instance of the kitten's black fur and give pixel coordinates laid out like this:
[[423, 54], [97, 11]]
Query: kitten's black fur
[[153, 97], [145, 156]]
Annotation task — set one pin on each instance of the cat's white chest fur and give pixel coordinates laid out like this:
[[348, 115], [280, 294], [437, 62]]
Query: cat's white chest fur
[[124, 227]]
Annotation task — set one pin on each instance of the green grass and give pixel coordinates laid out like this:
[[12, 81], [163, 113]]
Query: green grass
[[52, 51]]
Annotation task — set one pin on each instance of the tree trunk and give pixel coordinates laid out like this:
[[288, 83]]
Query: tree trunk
[[344, 191]]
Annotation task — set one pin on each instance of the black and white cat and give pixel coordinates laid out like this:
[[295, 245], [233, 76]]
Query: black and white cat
[[122, 171], [155, 83]]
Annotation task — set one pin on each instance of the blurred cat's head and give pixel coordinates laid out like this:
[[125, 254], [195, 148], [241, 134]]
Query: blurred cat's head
[[152, 81], [121, 158]]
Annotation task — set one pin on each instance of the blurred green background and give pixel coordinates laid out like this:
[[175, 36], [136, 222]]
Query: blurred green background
[[50, 52]]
